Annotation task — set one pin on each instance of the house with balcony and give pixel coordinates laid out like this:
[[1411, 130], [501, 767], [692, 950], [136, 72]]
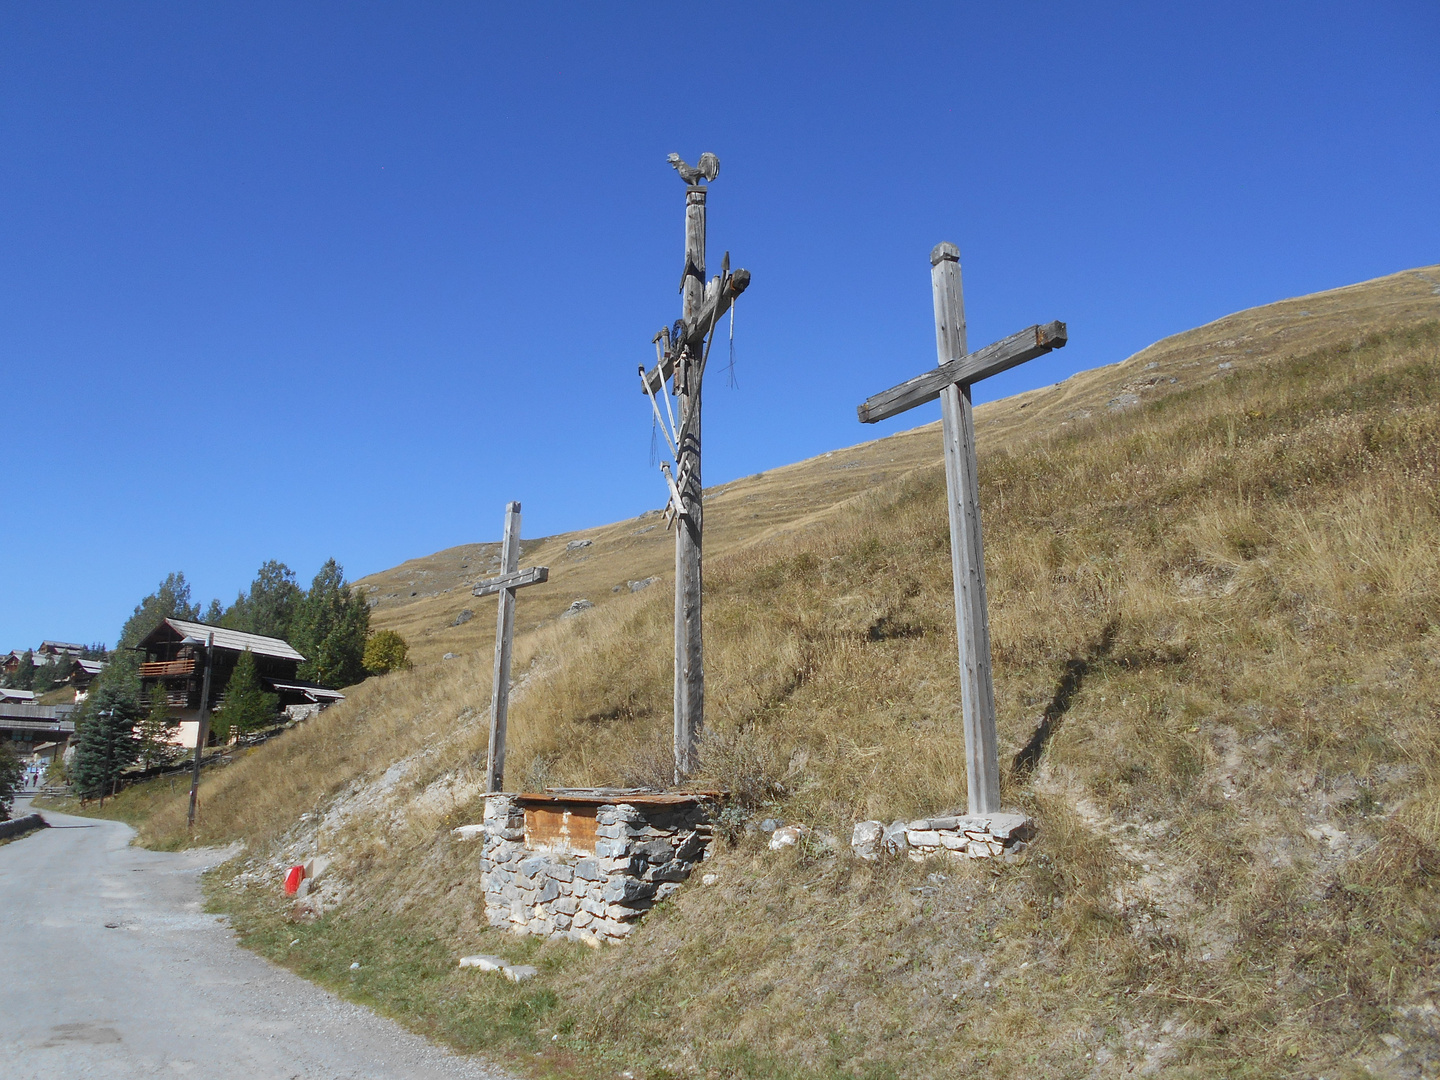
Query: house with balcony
[[174, 666]]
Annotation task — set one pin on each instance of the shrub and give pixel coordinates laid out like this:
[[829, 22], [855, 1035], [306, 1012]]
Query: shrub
[[386, 651]]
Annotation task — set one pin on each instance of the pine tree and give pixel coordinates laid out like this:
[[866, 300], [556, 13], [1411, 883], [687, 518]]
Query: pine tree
[[106, 743], [170, 601], [10, 772], [155, 745], [247, 706], [23, 677], [331, 625]]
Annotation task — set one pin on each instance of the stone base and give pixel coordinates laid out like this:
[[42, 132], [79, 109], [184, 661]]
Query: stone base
[[985, 836], [642, 854]]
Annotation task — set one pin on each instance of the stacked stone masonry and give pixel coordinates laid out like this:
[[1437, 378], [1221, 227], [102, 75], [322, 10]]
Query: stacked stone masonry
[[642, 854], [981, 837]]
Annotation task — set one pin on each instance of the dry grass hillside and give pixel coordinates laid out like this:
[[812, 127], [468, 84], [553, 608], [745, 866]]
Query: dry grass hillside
[[1215, 610], [423, 597]]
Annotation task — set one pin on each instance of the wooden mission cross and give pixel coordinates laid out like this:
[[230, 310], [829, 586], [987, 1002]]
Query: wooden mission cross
[[510, 579], [951, 382]]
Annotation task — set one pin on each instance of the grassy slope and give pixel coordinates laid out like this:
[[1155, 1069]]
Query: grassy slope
[[1219, 607]]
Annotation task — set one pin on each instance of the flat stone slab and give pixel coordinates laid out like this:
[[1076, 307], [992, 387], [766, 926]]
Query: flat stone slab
[[484, 963], [979, 836]]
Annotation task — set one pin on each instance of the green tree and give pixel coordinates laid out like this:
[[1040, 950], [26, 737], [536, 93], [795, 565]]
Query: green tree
[[386, 651], [247, 707], [271, 605], [170, 601], [23, 677], [105, 738], [10, 772], [48, 676], [331, 625], [214, 614], [155, 745]]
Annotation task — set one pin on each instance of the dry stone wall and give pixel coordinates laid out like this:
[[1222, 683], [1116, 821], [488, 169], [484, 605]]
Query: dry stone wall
[[642, 854], [980, 837]]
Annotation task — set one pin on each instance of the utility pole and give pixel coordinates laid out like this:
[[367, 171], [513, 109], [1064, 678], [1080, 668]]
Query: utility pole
[[202, 729]]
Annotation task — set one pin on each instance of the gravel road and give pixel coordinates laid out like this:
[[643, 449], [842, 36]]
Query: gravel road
[[111, 969]]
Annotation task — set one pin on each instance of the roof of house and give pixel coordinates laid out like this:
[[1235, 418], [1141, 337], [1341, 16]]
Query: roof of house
[[90, 667], [60, 646], [314, 693], [17, 695], [234, 640]]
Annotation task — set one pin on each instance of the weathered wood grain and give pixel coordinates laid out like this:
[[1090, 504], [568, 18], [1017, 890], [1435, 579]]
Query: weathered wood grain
[[695, 330], [1016, 349], [689, 715], [533, 575], [977, 694], [510, 579]]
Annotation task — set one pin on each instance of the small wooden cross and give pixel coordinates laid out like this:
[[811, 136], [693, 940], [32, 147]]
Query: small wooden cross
[[951, 382], [510, 579]]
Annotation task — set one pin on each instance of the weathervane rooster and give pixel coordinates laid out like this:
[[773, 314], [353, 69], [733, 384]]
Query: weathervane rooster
[[708, 169]]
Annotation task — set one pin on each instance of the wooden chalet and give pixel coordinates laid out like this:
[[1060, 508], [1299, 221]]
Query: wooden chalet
[[174, 665], [51, 651]]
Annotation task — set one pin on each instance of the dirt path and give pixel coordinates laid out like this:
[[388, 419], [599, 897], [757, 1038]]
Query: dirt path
[[111, 969]]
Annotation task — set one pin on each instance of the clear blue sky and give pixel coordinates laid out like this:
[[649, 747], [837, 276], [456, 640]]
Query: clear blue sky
[[299, 280]]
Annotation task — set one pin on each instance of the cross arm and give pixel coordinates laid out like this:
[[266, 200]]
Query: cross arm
[[533, 575], [695, 329], [1016, 349]]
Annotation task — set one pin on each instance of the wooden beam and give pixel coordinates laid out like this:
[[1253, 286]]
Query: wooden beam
[[695, 330], [1029, 343], [504, 632], [517, 579], [967, 555]]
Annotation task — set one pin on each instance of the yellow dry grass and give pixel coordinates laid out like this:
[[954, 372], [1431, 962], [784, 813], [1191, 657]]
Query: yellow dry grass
[[1216, 626]]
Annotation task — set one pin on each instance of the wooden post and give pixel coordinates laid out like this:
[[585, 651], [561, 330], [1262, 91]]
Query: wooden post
[[950, 382], [504, 632], [689, 648], [681, 353], [202, 726], [967, 556], [510, 579]]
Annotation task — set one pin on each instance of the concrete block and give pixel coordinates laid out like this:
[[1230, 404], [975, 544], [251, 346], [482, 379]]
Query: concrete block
[[519, 972]]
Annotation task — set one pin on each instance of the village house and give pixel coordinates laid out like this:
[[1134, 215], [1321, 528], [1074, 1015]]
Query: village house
[[37, 732], [51, 651], [174, 665], [82, 675]]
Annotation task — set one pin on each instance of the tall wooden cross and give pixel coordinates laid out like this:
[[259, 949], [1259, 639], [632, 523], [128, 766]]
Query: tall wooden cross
[[951, 383], [510, 579], [680, 355]]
